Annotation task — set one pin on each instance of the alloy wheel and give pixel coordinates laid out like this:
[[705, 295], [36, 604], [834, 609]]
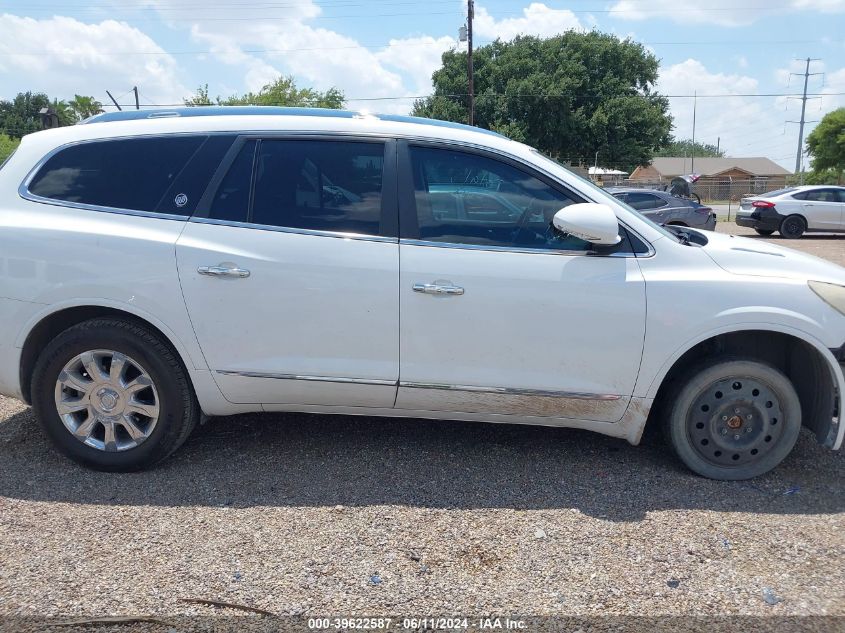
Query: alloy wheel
[[107, 400]]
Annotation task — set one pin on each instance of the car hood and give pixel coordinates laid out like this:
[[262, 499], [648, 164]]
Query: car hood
[[744, 256]]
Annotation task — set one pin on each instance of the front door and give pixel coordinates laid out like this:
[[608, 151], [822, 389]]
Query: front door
[[500, 314], [291, 278]]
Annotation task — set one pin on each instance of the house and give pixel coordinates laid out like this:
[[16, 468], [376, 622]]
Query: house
[[758, 169], [721, 178], [607, 176]]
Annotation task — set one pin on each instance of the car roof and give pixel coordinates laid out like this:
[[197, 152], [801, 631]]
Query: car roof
[[265, 120], [209, 111]]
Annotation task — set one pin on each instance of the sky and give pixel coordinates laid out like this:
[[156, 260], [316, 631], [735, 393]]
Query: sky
[[737, 55]]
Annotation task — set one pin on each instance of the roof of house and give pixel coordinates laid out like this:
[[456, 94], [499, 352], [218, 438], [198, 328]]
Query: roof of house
[[757, 165], [602, 171]]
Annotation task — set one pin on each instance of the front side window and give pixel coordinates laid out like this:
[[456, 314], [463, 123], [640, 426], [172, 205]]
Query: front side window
[[165, 174], [318, 185], [466, 198]]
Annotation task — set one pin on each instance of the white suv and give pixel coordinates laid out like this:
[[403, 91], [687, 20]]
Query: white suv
[[159, 267]]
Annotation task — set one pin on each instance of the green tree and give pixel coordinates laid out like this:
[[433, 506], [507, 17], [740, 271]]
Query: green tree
[[7, 146], [685, 147], [84, 107], [570, 96], [826, 144], [281, 92], [22, 115]]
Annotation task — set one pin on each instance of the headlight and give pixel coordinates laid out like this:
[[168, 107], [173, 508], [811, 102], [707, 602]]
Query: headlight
[[832, 294]]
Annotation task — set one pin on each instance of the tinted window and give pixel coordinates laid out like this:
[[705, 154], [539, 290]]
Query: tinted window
[[466, 198], [162, 174], [319, 185], [822, 195], [644, 201], [231, 200]]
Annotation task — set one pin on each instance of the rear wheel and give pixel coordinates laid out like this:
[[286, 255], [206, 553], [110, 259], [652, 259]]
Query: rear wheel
[[793, 227], [733, 419], [765, 232], [112, 395]]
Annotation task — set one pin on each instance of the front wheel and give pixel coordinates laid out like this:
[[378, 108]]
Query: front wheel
[[733, 419], [764, 232], [112, 395], [793, 227]]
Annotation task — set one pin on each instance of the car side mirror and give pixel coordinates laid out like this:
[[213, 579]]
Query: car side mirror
[[595, 223]]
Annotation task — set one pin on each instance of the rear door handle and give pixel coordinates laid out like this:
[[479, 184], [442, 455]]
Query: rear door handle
[[438, 289], [223, 271]]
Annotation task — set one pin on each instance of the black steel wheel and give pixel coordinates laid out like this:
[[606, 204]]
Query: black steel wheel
[[734, 419], [793, 227]]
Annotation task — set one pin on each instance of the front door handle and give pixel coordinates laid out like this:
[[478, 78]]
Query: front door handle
[[438, 289], [223, 271]]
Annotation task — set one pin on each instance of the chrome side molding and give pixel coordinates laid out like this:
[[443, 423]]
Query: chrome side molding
[[573, 395], [509, 391]]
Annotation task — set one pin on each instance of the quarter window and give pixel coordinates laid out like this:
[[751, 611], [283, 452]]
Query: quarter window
[[154, 174], [319, 185], [466, 198]]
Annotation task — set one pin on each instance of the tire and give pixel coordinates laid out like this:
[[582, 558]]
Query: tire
[[793, 227], [707, 418], [139, 409], [764, 232]]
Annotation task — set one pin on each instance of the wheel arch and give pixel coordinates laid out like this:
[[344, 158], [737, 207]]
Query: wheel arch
[[46, 326], [810, 366]]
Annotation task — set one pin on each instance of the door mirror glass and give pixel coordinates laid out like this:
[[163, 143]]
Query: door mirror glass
[[595, 223]]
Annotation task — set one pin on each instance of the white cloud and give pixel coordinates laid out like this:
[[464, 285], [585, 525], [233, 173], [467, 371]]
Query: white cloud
[[419, 57], [720, 12], [826, 6], [745, 126], [537, 19], [63, 56]]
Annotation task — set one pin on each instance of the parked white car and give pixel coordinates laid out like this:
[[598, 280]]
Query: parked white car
[[158, 267], [795, 210]]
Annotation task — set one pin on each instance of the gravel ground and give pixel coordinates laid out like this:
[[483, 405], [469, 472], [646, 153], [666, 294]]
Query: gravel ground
[[334, 516]]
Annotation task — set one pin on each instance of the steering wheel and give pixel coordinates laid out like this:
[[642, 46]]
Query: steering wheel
[[530, 210]]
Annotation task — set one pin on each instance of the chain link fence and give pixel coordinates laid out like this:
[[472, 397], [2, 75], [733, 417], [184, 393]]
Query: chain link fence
[[723, 191]]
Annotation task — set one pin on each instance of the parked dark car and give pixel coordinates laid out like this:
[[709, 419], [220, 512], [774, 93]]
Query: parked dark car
[[664, 208]]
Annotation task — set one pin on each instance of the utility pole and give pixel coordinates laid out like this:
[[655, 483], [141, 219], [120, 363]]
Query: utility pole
[[470, 78], [692, 150], [799, 153], [137, 102]]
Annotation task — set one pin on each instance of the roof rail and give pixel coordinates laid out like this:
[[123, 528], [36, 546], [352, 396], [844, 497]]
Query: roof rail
[[197, 111]]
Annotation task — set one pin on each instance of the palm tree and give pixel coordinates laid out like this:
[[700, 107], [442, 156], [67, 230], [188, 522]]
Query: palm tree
[[83, 106]]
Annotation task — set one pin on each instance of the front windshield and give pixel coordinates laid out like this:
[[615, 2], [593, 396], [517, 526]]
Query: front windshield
[[607, 196]]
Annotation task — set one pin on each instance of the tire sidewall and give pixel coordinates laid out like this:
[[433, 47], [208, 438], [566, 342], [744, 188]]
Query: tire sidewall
[[713, 372], [171, 402], [791, 235]]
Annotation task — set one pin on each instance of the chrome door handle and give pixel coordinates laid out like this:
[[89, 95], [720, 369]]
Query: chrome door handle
[[223, 271], [437, 289]]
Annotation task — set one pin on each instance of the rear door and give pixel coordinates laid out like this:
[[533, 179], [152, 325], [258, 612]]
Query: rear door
[[822, 209], [290, 272], [650, 205]]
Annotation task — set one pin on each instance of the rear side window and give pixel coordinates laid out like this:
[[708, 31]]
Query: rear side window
[[644, 201], [318, 185], [822, 195], [160, 174]]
